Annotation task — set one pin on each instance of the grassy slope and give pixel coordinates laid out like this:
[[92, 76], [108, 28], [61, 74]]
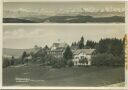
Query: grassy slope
[[40, 76]]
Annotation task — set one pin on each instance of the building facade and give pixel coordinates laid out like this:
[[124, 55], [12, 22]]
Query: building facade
[[82, 56], [57, 49]]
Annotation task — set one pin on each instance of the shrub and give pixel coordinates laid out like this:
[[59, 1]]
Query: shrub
[[107, 59], [58, 63], [17, 61], [70, 63], [6, 62]]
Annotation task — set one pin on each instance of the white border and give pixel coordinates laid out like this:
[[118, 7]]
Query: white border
[[55, 0], [50, 87], [1, 42], [126, 32]]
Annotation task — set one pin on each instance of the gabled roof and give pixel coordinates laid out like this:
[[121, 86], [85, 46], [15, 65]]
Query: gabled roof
[[86, 51], [58, 50], [55, 44]]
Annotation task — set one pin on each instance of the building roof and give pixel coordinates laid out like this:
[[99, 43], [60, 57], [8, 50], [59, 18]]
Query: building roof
[[36, 49], [74, 47], [63, 45], [58, 50], [59, 45], [55, 44], [86, 51]]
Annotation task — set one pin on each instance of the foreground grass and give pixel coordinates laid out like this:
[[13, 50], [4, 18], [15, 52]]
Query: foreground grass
[[75, 76]]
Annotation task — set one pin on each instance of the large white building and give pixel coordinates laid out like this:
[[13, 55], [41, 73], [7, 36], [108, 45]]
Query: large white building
[[82, 54], [57, 49]]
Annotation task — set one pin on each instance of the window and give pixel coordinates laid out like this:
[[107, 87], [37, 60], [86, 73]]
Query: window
[[76, 57], [82, 57]]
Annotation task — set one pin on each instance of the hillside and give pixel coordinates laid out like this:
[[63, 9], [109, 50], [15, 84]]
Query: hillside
[[85, 19], [14, 52], [16, 20], [67, 19]]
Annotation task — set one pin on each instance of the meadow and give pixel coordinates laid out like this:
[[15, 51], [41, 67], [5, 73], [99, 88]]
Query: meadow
[[38, 75]]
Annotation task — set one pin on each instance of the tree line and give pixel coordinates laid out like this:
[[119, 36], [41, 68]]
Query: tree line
[[108, 52], [81, 44]]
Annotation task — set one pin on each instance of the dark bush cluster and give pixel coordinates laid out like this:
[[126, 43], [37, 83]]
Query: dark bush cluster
[[109, 52], [58, 63], [107, 59], [8, 61]]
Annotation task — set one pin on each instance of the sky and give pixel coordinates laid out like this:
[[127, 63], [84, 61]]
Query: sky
[[52, 8], [27, 36]]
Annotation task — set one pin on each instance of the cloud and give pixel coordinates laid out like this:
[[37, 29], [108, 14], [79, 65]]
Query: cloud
[[28, 36], [24, 33], [20, 33]]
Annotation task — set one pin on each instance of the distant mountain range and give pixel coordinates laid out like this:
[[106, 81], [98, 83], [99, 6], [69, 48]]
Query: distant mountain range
[[67, 19], [22, 12]]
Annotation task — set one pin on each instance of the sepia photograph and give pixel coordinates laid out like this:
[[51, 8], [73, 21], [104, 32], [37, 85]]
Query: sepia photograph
[[64, 12], [64, 55]]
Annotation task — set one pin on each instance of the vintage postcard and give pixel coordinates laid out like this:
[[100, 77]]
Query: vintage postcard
[[64, 44]]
